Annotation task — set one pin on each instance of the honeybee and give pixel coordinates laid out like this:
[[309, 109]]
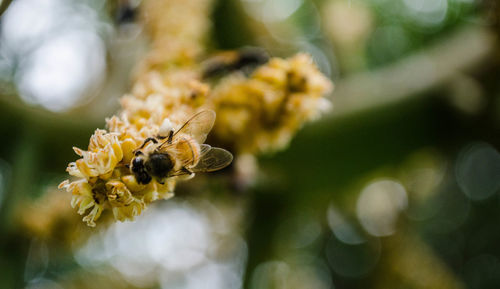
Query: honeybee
[[179, 153], [245, 60]]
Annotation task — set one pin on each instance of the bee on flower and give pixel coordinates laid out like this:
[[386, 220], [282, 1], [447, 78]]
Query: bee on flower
[[179, 153], [117, 174]]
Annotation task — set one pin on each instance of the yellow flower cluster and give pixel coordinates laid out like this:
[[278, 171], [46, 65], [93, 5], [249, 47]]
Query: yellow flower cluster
[[105, 180], [178, 30], [255, 114], [164, 88], [262, 112]]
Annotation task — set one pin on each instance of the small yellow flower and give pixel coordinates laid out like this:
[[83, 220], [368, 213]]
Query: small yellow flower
[[124, 205], [117, 193], [156, 191], [104, 153], [94, 214], [85, 198], [128, 212]]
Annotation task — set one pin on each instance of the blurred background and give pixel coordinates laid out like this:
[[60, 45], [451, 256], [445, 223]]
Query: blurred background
[[397, 187]]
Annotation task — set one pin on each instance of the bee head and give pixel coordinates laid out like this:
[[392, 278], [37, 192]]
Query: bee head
[[137, 164], [138, 169]]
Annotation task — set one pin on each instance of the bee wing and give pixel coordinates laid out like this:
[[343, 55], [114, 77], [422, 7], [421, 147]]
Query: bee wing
[[182, 152], [204, 148], [212, 159], [198, 126]]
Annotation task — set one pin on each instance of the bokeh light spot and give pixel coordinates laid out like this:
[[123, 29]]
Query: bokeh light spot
[[379, 205], [427, 12], [174, 246], [55, 51], [478, 170], [342, 229], [59, 72]]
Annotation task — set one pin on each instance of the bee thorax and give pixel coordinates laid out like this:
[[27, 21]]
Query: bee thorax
[[159, 165]]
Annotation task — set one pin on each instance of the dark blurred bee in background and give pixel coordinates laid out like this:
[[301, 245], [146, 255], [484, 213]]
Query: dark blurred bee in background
[[179, 153], [126, 11], [245, 60]]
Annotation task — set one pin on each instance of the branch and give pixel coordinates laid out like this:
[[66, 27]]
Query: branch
[[464, 50], [4, 5]]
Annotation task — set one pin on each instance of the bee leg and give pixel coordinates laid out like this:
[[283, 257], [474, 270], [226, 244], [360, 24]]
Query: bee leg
[[152, 139], [186, 171], [149, 139], [183, 171], [169, 140], [170, 136]]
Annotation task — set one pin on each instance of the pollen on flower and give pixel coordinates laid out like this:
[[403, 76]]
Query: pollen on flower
[[262, 112]]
